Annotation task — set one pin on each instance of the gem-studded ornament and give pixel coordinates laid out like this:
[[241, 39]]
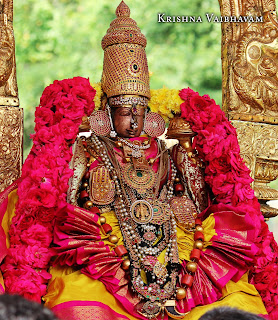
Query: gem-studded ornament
[[151, 309], [149, 262], [160, 270], [184, 211], [154, 125], [149, 236], [140, 180], [153, 281], [141, 211], [161, 212], [100, 123]]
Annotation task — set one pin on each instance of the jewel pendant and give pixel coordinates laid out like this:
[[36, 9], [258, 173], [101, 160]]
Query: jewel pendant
[[136, 154]]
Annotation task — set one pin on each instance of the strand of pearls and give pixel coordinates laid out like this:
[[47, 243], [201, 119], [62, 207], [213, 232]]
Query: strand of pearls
[[141, 252], [173, 177]]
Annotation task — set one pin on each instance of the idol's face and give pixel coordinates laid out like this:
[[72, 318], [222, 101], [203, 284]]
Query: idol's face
[[128, 121]]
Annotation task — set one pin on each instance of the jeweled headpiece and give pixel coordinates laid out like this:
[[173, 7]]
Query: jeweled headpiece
[[125, 67]]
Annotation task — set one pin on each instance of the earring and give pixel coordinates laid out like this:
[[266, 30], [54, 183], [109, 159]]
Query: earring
[[100, 123], [154, 125], [113, 133]]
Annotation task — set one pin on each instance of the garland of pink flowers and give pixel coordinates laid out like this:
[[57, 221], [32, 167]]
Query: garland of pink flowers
[[229, 179], [43, 185]]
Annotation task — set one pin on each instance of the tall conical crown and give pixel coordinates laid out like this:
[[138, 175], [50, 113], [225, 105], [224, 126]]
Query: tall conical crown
[[125, 67]]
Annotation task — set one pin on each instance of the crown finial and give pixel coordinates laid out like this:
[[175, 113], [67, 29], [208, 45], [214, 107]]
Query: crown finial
[[122, 10]]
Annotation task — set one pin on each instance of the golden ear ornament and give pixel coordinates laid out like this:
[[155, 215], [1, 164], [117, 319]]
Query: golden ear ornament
[[154, 125], [100, 123]]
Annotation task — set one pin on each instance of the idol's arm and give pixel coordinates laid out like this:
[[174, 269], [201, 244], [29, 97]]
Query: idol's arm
[[188, 163]]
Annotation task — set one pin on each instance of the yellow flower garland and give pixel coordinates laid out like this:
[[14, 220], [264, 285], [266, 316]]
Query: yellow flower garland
[[165, 102], [98, 96]]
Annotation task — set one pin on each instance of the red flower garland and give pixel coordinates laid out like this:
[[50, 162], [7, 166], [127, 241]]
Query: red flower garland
[[43, 185], [229, 179]]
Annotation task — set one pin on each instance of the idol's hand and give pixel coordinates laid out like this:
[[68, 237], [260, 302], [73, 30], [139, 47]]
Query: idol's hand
[[102, 187], [180, 129], [100, 179]]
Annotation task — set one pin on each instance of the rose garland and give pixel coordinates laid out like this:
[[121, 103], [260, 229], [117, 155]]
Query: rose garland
[[43, 185], [229, 179]]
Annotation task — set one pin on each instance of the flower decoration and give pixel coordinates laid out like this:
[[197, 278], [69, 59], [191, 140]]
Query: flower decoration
[[43, 185], [229, 179], [166, 102], [45, 174], [98, 95]]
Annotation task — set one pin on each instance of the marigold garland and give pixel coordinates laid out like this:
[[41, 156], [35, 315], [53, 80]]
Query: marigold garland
[[98, 95], [166, 102], [43, 185]]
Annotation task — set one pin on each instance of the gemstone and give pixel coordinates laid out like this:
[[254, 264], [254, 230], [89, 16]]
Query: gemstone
[[139, 174], [149, 236]]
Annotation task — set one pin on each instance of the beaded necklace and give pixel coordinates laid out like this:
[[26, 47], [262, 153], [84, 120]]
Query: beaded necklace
[[149, 228]]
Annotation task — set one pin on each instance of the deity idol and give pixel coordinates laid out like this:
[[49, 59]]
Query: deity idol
[[128, 228]]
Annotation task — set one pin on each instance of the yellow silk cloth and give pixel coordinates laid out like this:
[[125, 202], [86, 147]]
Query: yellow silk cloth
[[1, 283], [9, 214], [70, 285], [6, 222]]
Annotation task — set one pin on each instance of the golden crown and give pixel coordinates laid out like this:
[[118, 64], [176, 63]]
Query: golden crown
[[125, 67]]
